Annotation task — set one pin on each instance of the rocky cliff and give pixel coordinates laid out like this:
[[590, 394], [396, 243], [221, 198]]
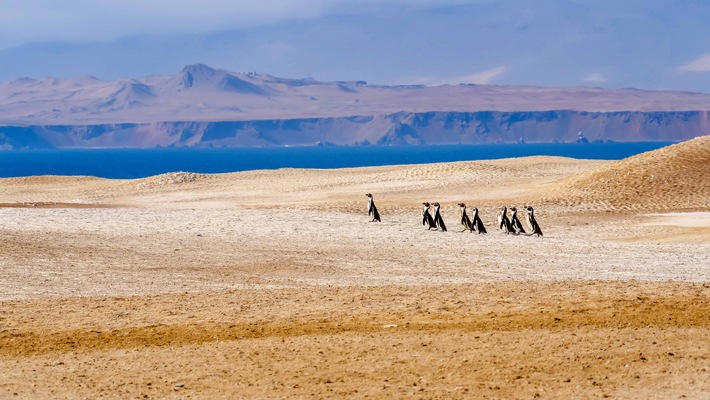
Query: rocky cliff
[[404, 128], [203, 106]]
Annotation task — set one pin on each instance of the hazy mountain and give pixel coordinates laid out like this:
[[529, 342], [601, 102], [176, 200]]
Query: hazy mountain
[[203, 106], [202, 93]]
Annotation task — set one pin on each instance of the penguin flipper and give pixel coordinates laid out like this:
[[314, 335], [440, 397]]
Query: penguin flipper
[[480, 228], [428, 220]]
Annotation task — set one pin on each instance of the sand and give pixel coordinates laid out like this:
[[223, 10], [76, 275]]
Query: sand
[[272, 284]]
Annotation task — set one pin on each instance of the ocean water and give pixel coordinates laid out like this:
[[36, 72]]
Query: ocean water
[[139, 163]]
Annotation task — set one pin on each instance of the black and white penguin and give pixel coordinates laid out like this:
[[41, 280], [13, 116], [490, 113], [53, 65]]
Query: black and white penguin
[[515, 222], [504, 222], [465, 220], [426, 217], [371, 209], [477, 223], [534, 227], [437, 218]]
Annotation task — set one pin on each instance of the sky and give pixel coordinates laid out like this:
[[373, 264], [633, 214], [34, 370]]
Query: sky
[[646, 44]]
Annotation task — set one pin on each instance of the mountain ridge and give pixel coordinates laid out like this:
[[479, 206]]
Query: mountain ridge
[[249, 109], [200, 92]]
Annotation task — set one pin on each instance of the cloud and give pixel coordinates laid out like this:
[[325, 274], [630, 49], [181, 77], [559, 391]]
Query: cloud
[[479, 78], [702, 64], [89, 20], [596, 77], [23, 21], [483, 77]]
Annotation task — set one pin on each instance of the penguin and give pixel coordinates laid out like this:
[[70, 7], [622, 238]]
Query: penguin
[[465, 221], [515, 222], [426, 217], [477, 224], [437, 218], [504, 222], [371, 209], [534, 227]]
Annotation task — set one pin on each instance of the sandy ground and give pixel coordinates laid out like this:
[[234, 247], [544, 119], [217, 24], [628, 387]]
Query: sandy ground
[[272, 284]]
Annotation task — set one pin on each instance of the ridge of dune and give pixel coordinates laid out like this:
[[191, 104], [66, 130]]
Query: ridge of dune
[[675, 177], [170, 178], [341, 188], [48, 180]]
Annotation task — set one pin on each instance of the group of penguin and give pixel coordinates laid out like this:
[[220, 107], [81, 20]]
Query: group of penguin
[[510, 225]]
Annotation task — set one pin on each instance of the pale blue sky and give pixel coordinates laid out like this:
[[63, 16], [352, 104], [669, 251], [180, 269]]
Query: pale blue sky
[[649, 44]]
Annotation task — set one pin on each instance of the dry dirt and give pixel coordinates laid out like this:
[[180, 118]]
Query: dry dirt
[[273, 284]]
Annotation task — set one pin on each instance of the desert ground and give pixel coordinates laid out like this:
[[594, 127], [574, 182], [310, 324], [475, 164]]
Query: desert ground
[[273, 284]]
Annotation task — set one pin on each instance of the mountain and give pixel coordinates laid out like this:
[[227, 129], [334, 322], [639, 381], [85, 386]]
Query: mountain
[[204, 106]]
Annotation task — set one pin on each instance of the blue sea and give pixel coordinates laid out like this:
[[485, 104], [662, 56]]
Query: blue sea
[[140, 163]]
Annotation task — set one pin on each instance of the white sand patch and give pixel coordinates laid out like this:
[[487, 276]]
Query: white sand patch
[[688, 220]]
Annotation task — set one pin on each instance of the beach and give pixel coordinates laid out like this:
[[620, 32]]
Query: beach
[[274, 283]]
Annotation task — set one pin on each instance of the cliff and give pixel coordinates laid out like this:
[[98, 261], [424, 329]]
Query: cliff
[[393, 129], [203, 106]]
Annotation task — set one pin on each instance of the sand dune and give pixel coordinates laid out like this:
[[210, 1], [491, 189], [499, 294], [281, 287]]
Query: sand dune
[[400, 186], [273, 284], [675, 177]]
